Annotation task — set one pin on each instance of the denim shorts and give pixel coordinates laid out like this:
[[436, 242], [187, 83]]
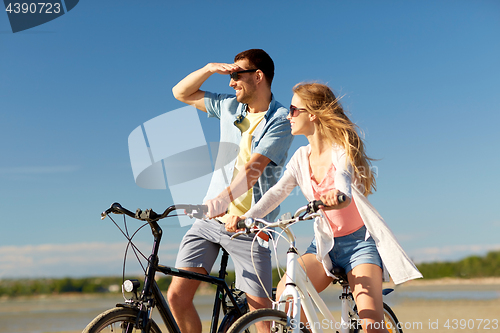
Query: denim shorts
[[352, 250]]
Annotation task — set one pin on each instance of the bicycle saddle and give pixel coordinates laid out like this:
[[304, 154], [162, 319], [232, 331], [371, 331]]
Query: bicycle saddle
[[340, 273]]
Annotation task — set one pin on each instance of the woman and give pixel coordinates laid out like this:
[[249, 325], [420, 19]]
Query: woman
[[352, 235]]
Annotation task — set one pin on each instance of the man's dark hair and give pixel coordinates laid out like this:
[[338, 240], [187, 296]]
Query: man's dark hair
[[259, 59]]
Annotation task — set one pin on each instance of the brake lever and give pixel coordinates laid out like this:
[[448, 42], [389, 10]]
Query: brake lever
[[192, 215], [243, 232], [196, 214], [109, 210], [115, 208]]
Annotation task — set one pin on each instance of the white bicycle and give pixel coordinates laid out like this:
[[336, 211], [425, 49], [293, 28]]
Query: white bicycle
[[300, 293]]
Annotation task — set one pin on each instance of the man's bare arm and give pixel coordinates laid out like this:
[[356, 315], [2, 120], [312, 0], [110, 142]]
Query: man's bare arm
[[244, 180], [188, 89]]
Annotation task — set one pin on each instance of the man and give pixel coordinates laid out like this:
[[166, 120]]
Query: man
[[254, 121]]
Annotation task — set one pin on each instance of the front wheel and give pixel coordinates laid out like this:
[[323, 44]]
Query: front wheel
[[117, 320], [274, 320], [391, 322]]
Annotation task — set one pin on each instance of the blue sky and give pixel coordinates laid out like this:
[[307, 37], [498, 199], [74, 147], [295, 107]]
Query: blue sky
[[420, 78]]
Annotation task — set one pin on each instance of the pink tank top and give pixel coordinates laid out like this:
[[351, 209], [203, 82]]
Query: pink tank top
[[343, 221]]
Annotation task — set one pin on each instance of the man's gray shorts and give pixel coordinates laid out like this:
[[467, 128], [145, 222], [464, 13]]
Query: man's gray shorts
[[200, 248]]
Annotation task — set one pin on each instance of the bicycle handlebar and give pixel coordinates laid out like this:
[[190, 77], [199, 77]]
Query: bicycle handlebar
[[149, 215], [310, 210]]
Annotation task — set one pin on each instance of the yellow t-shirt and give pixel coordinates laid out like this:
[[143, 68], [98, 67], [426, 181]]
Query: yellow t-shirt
[[243, 203]]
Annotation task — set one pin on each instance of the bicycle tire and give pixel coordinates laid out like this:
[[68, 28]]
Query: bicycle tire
[[390, 320], [277, 320], [117, 320]]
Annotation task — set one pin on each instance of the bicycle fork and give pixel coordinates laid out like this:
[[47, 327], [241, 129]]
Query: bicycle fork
[[298, 283], [295, 286], [291, 291]]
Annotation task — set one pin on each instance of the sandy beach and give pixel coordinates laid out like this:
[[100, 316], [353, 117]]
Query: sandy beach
[[453, 314], [443, 305], [446, 305], [449, 316], [441, 316]]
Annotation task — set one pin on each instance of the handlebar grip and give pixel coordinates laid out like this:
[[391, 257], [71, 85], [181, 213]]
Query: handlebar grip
[[204, 208], [240, 224], [116, 208], [314, 205]]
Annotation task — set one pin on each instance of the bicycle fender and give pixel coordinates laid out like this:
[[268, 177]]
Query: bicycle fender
[[227, 321]]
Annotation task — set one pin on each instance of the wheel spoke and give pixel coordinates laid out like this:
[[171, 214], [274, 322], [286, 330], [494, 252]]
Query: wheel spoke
[[117, 320]]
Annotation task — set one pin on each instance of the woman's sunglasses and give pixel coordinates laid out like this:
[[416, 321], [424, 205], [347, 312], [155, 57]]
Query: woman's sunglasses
[[235, 77], [294, 111]]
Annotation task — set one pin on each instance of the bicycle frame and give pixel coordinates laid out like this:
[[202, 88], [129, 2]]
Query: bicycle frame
[[300, 288], [151, 295], [164, 309], [222, 288]]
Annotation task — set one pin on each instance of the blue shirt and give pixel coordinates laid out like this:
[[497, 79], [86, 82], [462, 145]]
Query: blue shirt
[[272, 138]]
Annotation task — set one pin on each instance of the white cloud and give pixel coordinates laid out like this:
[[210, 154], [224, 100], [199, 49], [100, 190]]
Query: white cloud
[[410, 237], [103, 259], [81, 259]]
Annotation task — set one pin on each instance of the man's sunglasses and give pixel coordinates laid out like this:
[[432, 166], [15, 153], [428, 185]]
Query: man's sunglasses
[[294, 111], [234, 75]]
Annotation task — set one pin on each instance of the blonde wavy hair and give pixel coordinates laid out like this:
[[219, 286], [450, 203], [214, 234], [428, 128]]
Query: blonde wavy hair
[[334, 124]]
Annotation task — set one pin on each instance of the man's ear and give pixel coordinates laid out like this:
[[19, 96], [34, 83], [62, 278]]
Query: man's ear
[[260, 75]]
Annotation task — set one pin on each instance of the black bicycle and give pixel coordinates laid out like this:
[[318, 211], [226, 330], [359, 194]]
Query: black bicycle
[[135, 314]]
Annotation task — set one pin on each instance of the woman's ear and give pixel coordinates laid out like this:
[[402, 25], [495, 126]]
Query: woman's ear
[[312, 117]]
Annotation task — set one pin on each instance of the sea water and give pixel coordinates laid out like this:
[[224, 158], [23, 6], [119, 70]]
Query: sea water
[[71, 313]]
